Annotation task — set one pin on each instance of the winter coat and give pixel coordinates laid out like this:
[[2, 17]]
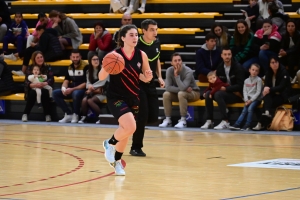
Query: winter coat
[[102, 43], [242, 53]]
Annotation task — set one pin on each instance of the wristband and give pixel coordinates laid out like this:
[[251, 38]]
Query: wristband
[[63, 89]]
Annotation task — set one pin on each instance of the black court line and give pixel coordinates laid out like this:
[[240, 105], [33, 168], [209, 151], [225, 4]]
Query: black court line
[[263, 193]]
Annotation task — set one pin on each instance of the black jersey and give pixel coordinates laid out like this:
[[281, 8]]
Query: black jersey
[[126, 83], [152, 50]]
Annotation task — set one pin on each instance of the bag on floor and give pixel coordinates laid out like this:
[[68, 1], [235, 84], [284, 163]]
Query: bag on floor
[[283, 120]]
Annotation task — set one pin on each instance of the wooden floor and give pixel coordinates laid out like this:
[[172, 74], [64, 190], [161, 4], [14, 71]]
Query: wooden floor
[[67, 163]]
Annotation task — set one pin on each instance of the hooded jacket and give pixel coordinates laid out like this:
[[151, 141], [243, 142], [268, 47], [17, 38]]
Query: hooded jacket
[[49, 44], [279, 19], [103, 43], [285, 42], [14, 27]]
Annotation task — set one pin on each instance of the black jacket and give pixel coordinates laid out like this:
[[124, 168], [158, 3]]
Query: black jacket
[[4, 14], [7, 85], [236, 74], [285, 42]]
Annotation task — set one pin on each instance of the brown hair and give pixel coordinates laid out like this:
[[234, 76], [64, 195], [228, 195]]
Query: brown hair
[[55, 13], [211, 73], [33, 56], [239, 39], [223, 37], [122, 33]]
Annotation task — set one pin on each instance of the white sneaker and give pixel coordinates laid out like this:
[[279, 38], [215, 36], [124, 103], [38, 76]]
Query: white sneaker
[[66, 119], [48, 118], [141, 10], [298, 11], [18, 73], [11, 57], [165, 123], [81, 121], [208, 124], [181, 124], [123, 9], [74, 118], [24, 118], [222, 125], [129, 11], [98, 122], [119, 169], [258, 127], [109, 151]]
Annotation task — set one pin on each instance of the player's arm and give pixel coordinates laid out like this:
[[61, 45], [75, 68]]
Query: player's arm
[[158, 73], [147, 75], [102, 74]]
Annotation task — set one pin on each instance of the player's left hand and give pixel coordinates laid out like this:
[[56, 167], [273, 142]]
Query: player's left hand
[[148, 74], [161, 82]]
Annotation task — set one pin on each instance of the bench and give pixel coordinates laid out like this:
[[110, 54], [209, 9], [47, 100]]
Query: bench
[[57, 79], [293, 14]]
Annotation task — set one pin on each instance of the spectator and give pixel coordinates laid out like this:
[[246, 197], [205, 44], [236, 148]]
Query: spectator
[[37, 59], [263, 9], [222, 35], [95, 93], [231, 72], [100, 41], [241, 42], [180, 87], [48, 44], [68, 31], [290, 48], [215, 84], [33, 39], [276, 91], [278, 18], [73, 88], [4, 19], [251, 13], [16, 35], [208, 57], [126, 19], [133, 6], [252, 98], [118, 6]]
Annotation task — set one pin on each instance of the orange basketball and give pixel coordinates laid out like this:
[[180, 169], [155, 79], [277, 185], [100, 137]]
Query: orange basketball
[[113, 63]]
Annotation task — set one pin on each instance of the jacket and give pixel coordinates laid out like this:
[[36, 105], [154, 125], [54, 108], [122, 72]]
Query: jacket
[[216, 86], [285, 43], [252, 88], [48, 25], [49, 43], [207, 60], [102, 43], [4, 14], [242, 53], [7, 84], [14, 27], [279, 19]]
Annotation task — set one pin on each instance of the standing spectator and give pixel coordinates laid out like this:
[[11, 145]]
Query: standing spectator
[[33, 39], [251, 13], [180, 87], [252, 98], [241, 42], [95, 92], [68, 31], [4, 19], [73, 88], [278, 18], [208, 57], [231, 72], [290, 48], [222, 36], [100, 41], [126, 19], [276, 91], [16, 35], [37, 59]]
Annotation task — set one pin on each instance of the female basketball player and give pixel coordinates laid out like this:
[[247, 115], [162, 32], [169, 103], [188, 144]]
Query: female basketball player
[[122, 94]]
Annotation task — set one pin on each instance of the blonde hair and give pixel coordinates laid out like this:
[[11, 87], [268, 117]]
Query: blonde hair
[[212, 73]]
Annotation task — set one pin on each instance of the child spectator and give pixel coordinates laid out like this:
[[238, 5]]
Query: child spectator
[[37, 77], [215, 84], [251, 13], [252, 98]]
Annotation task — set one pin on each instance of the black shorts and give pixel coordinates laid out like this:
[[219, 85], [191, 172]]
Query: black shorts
[[118, 106]]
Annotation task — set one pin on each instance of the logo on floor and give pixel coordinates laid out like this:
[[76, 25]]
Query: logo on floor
[[281, 163]]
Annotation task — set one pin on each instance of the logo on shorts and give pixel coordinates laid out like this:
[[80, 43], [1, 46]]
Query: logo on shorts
[[118, 103], [138, 65]]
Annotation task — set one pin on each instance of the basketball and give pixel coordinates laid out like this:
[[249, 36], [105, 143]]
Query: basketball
[[113, 63]]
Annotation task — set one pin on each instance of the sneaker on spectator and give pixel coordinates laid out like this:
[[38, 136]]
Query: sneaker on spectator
[[98, 122], [17, 73], [208, 124], [48, 118], [39, 105], [119, 169], [123, 9], [165, 123], [246, 127], [11, 57], [129, 11], [141, 10], [258, 127], [109, 151], [181, 124], [81, 121], [222, 125], [298, 11], [74, 118], [24, 118], [293, 81], [234, 127], [67, 118]]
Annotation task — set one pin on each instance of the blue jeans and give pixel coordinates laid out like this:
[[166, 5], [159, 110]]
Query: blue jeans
[[249, 62], [77, 97], [264, 58], [12, 39], [247, 110]]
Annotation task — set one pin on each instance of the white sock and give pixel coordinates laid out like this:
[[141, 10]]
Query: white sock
[[267, 112], [209, 121], [183, 119], [168, 118]]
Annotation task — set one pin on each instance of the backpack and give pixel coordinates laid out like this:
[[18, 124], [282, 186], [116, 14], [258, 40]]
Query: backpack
[[6, 79], [283, 120]]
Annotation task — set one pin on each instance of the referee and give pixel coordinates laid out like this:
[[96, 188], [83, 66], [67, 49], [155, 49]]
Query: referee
[[148, 112]]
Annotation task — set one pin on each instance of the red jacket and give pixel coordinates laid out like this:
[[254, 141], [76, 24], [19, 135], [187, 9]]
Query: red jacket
[[103, 43], [214, 87]]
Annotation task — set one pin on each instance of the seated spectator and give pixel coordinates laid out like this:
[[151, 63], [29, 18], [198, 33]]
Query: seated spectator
[[100, 41], [180, 87], [251, 13], [68, 31], [215, 84], [33, 39], [267, 43], [278, 18], [4, 19], [133, 7], [231, 72], [7, 84], [290, 49], [222, 36], [126, 19], [241, 42], [16, 35], [95, 93], [48, 44], [118, 6], [37, 59], [277, 90], [208, 57], [252, 98], [263, 10], [73, 88]]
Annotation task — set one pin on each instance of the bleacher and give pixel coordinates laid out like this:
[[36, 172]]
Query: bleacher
[[182, 28]]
